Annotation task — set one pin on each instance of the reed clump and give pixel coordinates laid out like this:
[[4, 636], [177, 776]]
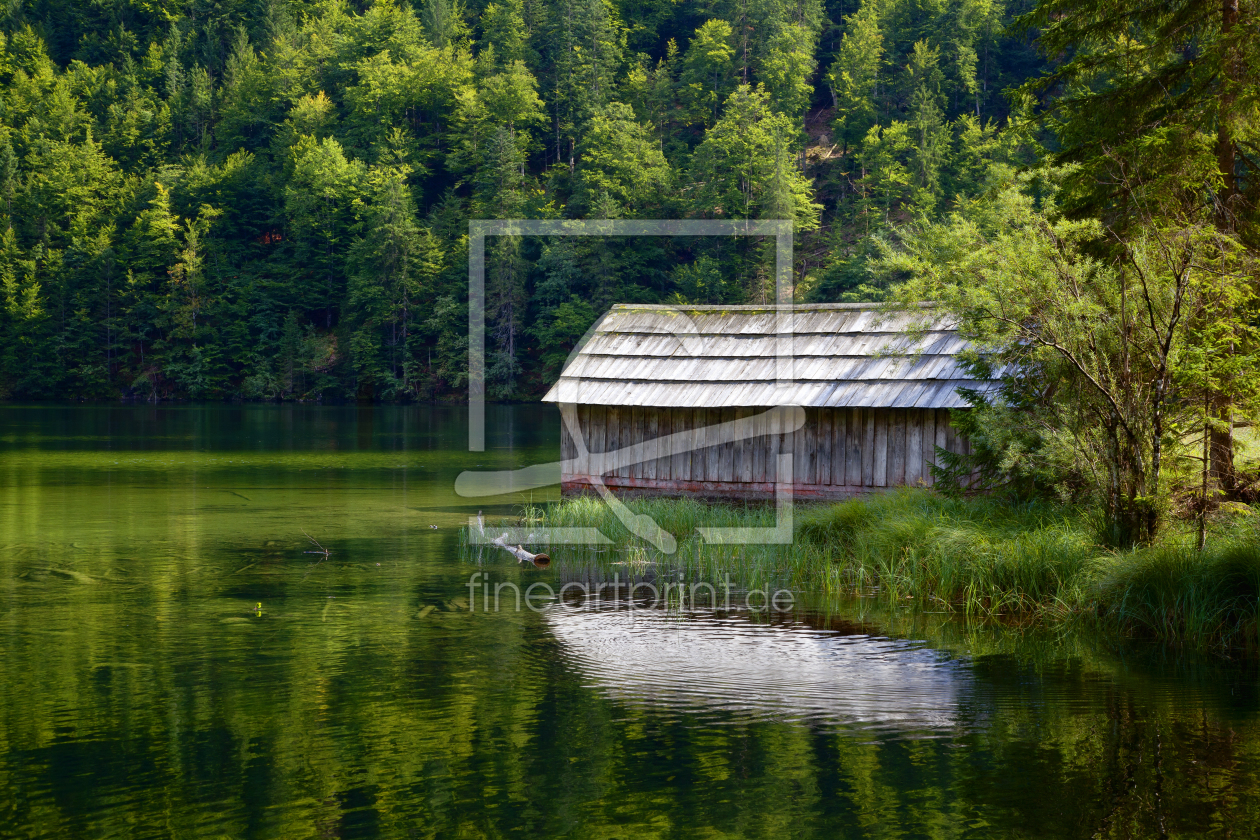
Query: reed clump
[[681, 517], [974, 555], [1175, 593], [1038, 561]]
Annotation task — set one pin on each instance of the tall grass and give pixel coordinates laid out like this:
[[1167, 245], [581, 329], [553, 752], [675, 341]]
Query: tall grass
[[1023, 563], [976, 555], [1175, 593], [1039, 561]]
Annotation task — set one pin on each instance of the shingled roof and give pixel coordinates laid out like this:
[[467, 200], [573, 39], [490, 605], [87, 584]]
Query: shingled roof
[[843, 355]]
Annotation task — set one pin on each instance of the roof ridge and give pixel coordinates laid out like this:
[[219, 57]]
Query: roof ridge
[[769, 307]]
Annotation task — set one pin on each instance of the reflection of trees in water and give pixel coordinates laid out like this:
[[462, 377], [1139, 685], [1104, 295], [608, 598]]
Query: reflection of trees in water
[[149, 700], [358, 718]]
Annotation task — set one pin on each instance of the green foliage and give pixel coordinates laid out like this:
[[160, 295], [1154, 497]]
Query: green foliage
[[787, 69], [977, 555], [559, 332], [394, 265], [702, 282], [1155, 126], [245, 200], [742, 170], [321, 201], [1107, 363], [1132, 97], [708, 73], [1178, 593], [855, 72], [620, 160]]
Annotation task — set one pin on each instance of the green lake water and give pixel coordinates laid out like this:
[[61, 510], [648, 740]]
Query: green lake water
[[174, 663]]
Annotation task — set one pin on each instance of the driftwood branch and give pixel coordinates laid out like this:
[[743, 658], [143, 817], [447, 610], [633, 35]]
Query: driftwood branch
[[540, 561]]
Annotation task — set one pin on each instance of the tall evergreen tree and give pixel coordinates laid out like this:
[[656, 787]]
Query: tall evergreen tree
[[393, 266], [585, 43], [708, 69], [854, 74]]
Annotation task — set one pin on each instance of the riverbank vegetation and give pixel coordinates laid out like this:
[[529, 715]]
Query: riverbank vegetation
[[1045, 562], [1036, 563]]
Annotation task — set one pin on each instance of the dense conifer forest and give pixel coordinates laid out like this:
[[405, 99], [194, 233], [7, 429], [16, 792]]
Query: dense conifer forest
[[269, 199]]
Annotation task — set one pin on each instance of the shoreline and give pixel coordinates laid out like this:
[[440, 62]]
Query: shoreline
[[1030, 564]]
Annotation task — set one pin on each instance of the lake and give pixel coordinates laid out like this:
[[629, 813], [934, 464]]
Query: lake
[[180, 658]]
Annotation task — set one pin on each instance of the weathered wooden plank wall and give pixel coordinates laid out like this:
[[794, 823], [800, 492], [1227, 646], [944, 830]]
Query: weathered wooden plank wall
[[836, 452]]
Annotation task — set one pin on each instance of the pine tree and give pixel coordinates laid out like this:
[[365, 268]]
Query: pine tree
[[320, 205], [854, 74], [739, 164], [499, 190], [393, 264], [584, 46], [787, 68], [927, 122], [444, 22], [503, 31], [708, 70], [619, 159]]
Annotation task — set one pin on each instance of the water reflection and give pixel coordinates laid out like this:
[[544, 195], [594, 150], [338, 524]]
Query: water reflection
[[733, 664], [143, 695]]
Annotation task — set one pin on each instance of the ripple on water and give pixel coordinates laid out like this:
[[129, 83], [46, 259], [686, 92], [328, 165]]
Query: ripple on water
[[733, 667]]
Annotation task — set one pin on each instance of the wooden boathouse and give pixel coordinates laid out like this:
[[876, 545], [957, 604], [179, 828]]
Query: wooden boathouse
[[657, 393]]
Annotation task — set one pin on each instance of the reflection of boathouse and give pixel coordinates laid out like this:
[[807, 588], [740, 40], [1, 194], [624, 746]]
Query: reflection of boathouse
[[733, 663], [675, 382]]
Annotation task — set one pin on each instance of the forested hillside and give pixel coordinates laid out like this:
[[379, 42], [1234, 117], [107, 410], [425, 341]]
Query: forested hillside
[[270, 199]]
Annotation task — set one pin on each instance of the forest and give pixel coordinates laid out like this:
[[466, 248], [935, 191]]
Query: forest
[[270, 200]]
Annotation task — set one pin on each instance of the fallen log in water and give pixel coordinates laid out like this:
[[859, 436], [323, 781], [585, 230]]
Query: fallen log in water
[[540, 561]]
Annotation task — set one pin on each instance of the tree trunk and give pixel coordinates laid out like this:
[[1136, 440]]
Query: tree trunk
[[1222, 442], [1226, 151]]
